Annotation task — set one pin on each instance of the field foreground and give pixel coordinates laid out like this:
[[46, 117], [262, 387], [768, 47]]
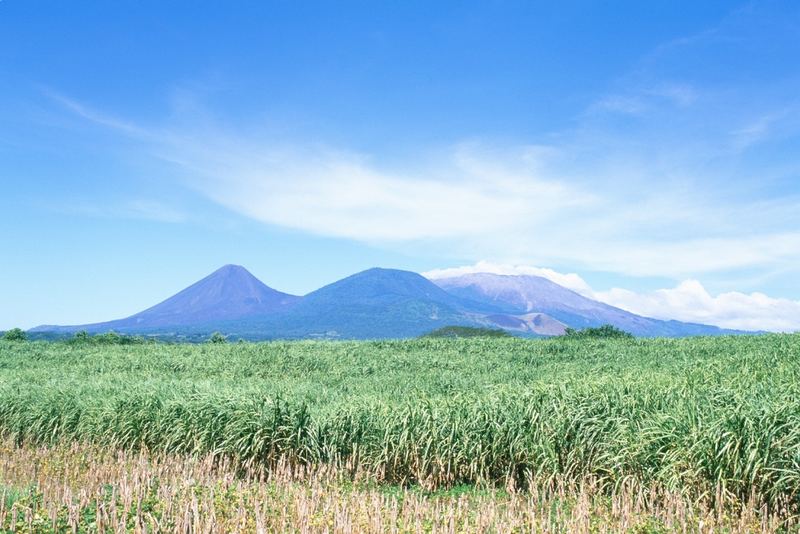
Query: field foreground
[[83, 488], [699, 434]]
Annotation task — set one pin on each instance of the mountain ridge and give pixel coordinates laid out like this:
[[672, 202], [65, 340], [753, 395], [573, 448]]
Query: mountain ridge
[[379, 303], [373, 303]]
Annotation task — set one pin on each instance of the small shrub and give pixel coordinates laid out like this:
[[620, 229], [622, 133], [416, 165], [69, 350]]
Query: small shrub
[[108, 338], [601, 332], [81, 337], [15, 334], [217, 337]]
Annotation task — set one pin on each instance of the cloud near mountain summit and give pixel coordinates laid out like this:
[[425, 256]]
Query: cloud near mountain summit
[[688, 301]]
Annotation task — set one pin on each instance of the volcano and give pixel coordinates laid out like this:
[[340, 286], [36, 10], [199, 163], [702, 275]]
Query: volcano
[[229, 293]]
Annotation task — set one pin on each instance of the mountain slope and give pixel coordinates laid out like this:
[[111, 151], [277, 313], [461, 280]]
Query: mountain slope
[[522, 295], [228, 293], [376, 303]]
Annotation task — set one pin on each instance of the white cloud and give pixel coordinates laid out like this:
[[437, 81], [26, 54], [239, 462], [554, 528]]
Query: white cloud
[[465, 192], [514, 204], [689, 301]]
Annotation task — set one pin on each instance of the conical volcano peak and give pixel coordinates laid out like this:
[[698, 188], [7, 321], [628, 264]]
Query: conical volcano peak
[[229, 292], [232, 268]]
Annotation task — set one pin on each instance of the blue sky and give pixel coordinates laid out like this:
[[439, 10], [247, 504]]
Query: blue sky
[[643, 153]]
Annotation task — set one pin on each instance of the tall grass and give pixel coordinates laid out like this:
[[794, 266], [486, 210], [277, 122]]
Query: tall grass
[[80, 488], [708, 418]]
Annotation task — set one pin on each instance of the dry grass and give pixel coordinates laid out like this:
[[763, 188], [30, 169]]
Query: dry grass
[[86, 488]]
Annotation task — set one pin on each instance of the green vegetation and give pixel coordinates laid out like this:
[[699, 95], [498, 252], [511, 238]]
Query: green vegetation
[[217, 337], [15, 334], [603, 332], [466, 331], [108, 338], [713, 417]]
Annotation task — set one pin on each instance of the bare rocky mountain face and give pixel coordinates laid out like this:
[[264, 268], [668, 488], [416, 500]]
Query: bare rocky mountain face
[[536, 304]]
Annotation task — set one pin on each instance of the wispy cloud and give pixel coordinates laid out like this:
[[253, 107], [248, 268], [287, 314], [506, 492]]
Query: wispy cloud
[[520, 204], [678, 94], [94, 116], [760, 128], [462, 193], [509, 205], [140, 209], [155, 211], [640, 100], [628, 104]]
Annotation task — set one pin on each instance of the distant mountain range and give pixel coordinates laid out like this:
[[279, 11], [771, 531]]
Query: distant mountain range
[[378, 303]]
